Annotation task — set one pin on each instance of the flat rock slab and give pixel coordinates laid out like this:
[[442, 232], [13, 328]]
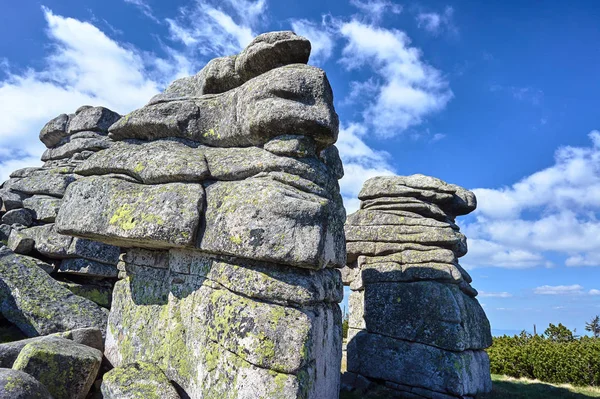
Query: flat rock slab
[[15, 384], [65, 368], [53, 184], [43, 207], [293, 99], [428, 312], [91, 337], [137, 380], [132, 215], [162, 161], [452, 373], [266, 220], [39, 305]]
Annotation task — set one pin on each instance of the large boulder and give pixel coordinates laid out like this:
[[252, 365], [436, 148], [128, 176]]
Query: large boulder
[[65, 368], [137, 380], [39, 305], [15, 384]]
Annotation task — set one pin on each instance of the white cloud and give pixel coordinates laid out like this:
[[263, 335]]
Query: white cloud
[[144, 8], [435, 23], [561, 203], [9, 166], [217, 28], [321, 39], [484, 294], [575, 289], [375, 9], [84, 67], [594, 292], [361, 162], [408, 89]]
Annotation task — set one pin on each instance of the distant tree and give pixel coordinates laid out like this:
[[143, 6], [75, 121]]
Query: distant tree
[[594, 326], [559, 333], [345, 326]]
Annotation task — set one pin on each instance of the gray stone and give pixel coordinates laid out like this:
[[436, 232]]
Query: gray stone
[[44, 207], [94, 251], [308, 174], [88, 268], [4, 233], [292, 145], [15, 384], [99, 294], [75, 146], [38, 304], [25, 172], [295, 99], [306, 342], [20, 243], [271, 50], [161, 161], [428, 312], [54, 131], [18, 216], [417, 365], [65, 368], [91, 337], [331, 158], [454, 199], [129, 214], [266, 220], [53, 184], [11, 199], [137, 380], [96, 119], [48, 242]]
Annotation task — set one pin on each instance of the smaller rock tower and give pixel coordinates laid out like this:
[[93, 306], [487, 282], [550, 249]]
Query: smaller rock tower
[[414, 320]]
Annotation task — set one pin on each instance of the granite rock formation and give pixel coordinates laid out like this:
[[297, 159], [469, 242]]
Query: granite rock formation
[[32, 197], [223, 192], [414, 321]]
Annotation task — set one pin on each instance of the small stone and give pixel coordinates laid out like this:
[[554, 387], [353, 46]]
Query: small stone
[[18, 216], [38, 304], [137, 380], [292, 146], [76, 146], [11, 199], [96, 119], [20, 243], [44, 207], [15, 384], [54, 131], [65, 368], [86, 267]]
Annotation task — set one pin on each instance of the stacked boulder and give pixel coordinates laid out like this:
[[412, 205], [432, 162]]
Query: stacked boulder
[[223, 192], [414, 322], [32, 197]]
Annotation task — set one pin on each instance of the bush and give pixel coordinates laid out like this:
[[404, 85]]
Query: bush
[[546, 358]]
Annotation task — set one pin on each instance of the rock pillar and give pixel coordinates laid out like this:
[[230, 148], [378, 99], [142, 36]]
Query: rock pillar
[[414, 321], [223, 190]]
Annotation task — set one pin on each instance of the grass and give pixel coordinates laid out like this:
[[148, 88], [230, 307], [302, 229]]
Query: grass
[[511, 388]]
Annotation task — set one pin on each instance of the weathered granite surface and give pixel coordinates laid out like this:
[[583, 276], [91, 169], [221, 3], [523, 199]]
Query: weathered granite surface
[[414, 321], [223, 192]]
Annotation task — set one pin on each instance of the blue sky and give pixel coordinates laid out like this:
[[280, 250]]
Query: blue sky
[[499, 97]]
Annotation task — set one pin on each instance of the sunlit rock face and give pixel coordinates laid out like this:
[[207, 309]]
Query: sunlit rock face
[[223, 190], [50, 282], [414, 321]]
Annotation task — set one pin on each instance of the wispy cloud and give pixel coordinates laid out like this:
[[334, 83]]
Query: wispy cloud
[[321, 38], [526, 94], [575, 289], [213, 28], [408, 89], [374, 10], [144, 8], [594, 292], [437, 22], [561, 203], [485, 294]]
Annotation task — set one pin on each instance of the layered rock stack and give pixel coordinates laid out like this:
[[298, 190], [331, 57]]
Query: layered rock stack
[[414, 321], [223, 190], [32, 197]]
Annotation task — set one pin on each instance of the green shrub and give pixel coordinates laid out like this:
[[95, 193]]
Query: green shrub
[[546, 358]]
